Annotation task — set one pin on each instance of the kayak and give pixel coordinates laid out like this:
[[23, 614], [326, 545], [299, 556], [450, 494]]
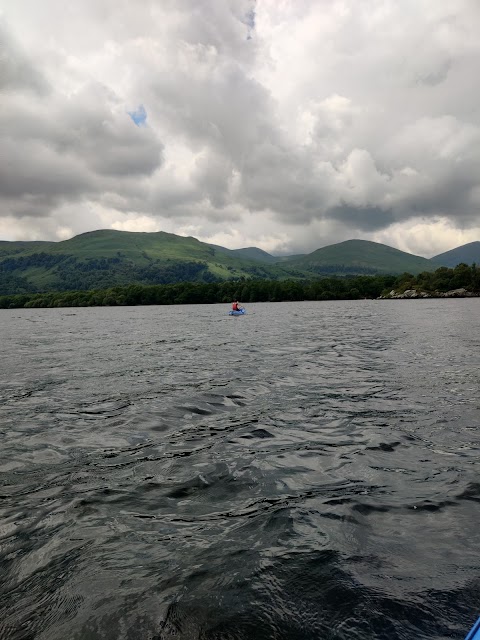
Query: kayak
[[240, 312], [474, 632]]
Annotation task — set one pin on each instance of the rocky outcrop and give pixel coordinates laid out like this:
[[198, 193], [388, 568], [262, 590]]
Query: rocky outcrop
[[456, 293], [410, 293], [414, 293]]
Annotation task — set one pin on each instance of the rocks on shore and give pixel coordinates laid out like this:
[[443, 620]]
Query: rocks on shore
[[414, 293]]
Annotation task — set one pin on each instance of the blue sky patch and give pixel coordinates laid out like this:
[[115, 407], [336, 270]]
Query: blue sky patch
[[139, 116]]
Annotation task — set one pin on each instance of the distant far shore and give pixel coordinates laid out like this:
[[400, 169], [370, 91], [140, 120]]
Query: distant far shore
[[461, 282]]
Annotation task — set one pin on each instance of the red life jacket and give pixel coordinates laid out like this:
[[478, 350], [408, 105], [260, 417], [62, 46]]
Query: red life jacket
[[235, 306]]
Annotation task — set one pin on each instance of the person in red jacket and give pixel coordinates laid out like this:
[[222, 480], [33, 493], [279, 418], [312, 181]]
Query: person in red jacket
[[236, 306]]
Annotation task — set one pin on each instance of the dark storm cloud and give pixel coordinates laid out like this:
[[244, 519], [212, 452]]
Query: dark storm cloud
[[364, 218], [17, 69], [31, 169], [99, 132], [60, 148]]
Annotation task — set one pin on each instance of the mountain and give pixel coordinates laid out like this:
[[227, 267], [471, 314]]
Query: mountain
[[19, 246], [250, 253], [105, 258], [359, 256], [253, 253], [467, 253]]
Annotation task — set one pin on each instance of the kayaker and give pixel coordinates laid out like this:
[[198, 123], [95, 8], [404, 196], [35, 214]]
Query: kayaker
[[236, 306]]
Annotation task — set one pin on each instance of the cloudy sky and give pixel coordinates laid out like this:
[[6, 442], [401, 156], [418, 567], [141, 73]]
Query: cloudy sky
[[284, 124]]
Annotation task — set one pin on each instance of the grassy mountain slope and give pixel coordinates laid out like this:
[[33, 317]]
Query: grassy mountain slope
[[253, 253], [360, 256], [21, 246], [107, 257], [249, 253], [467, 253], [109, 243], [290, 258]]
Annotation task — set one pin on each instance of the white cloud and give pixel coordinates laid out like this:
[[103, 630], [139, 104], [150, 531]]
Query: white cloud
[[426, 238], [138, 223], [287, 124]]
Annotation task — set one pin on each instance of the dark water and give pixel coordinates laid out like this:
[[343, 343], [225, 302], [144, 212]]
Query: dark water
[[307, 471]]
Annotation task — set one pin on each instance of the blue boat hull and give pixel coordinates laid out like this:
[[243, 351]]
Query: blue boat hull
[[242, 312], [474, 632]]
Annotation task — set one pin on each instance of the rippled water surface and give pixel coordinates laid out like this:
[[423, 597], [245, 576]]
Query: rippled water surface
[[307, 471]]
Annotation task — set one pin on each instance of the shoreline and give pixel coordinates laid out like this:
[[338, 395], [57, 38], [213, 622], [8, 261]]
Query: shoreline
[[414, 294]]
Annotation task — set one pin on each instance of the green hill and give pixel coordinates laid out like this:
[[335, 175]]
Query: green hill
[[105, 258], [253, 253], [249, 253], [21, 246], [360, 257], [467, 253]]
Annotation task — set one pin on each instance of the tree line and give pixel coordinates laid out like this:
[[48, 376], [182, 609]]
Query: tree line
[[68, 273], [334, 288], [442, 280], [329, 288]]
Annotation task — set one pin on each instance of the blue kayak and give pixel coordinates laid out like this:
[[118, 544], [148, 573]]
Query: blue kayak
[[474, 632], [240, 312]]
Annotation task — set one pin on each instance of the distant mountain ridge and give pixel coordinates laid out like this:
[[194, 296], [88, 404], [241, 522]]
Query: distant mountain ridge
[[467, 253], [250, 253], [360, 256], [106, 258]]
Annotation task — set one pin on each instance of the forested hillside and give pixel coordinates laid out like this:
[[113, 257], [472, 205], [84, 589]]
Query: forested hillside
[[334, 288], [108, 258], [102, 259]]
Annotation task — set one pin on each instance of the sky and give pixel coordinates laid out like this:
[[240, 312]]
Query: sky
[[283, 124]]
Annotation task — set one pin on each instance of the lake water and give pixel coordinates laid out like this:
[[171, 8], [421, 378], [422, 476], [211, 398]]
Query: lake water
[[310, 470]]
